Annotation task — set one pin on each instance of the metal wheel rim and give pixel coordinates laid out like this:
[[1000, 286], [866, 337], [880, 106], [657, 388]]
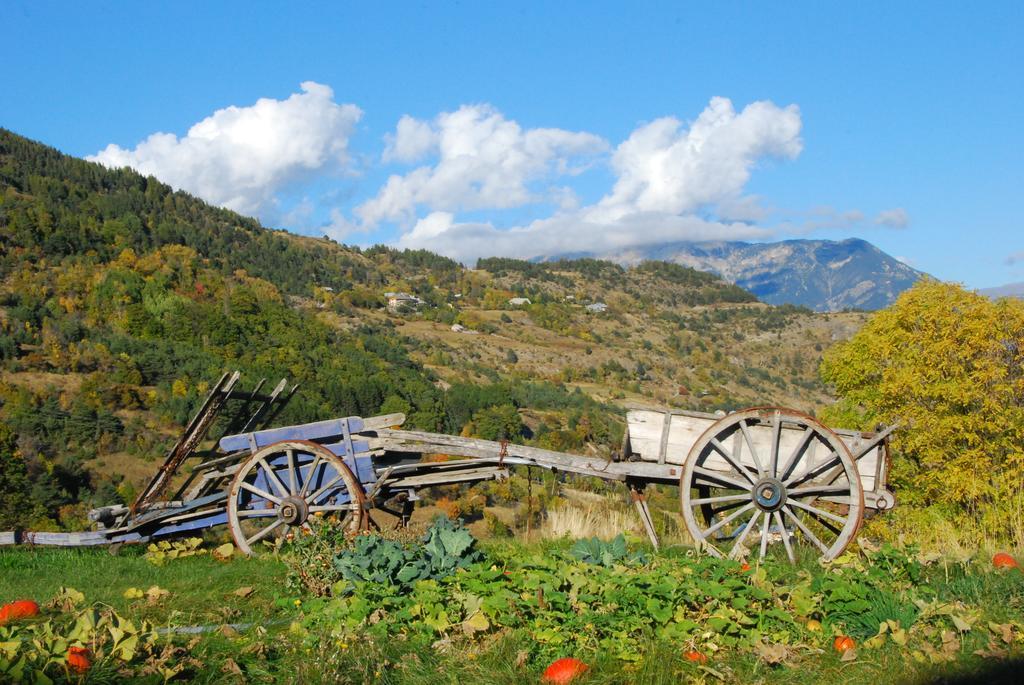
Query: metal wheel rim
[[312, 476], [823, 504]]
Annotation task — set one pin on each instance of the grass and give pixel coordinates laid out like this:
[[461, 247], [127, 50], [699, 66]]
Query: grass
[[586, 521], [202, 593], [202, 589]]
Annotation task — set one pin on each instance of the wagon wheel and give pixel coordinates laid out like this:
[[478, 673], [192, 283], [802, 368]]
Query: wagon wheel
[[778, 473], [280, 486]]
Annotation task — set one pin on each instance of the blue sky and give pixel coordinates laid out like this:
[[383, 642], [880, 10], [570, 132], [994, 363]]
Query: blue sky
[[554, 126]]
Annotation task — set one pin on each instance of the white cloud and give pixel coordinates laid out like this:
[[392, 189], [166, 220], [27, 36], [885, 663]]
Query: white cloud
[[483, 161], [565, 234], [241, 157], [893, 218], [666, 167], [668, 176], [412, 140]]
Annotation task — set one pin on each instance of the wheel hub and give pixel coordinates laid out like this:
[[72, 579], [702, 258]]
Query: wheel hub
[[293, 511], [769, 494]]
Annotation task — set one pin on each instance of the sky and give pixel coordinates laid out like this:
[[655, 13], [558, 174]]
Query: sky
[[534, 129]]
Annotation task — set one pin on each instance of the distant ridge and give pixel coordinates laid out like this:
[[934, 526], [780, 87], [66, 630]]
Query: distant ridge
[[1008, 290], [824, 275]]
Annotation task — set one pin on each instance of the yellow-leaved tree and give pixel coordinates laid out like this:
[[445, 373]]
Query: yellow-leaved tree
[[946, 364]]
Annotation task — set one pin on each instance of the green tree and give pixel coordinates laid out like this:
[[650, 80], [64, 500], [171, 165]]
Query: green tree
[[17, 508], [946, 364], [497, 423]]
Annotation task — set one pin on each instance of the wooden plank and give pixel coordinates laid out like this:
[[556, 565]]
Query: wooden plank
[[190, 438], [666, 426], [464, 475], [647, 439], [436, 443], [318, 430]]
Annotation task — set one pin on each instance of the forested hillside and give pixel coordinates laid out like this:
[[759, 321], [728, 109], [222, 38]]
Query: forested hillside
[[121, 300]]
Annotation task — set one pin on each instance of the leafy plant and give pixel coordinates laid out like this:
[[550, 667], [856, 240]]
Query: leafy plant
[[605, 553], [446, 547], [159, 553]]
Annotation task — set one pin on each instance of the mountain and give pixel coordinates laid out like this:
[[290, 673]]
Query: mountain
[[1008, 290], [120, 299], [824, 275]]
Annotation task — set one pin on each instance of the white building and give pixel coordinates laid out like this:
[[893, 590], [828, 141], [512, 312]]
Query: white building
[[396, 300]]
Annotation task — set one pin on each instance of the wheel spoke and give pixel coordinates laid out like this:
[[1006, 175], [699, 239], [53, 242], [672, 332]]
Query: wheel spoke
[[310, 475], [262, 493], [750, 446], [717, 476], [818, 470], [785, 537], [727, 507], [743, 536], [820, 513], [764, 534], [248, 513], [316, 495], [794, 458], [818, 490], [727, 520], [265, 532], [293, 478], [731, 459], [742, 497], [351, 506], [805, 530], [273, 479], [776, 434]]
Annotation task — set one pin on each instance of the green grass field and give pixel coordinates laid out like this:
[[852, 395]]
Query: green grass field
[[287, 635]]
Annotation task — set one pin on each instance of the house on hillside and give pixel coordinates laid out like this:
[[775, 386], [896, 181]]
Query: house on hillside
[[397, 300], [597, 308], [519, 301]]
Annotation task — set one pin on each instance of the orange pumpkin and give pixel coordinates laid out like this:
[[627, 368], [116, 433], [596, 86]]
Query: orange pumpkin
[[564, 671], [78, 659], [1004, 560], [745, 567], [23, 608], [695, 657], [843, 643]]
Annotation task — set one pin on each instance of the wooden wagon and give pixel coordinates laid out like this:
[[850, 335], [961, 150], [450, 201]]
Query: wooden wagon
[[748, 481]]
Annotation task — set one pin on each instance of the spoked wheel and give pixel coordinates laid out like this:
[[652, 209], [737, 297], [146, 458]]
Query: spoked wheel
[[280, 486], [766, 476]]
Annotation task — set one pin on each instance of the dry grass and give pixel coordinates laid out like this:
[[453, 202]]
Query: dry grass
[[959, 536], [602, 520]]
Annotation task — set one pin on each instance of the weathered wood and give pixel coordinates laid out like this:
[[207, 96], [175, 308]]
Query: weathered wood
[[658, 436], [431, 443], [318, 430], [461, 475], [640, 502], [193, 435]]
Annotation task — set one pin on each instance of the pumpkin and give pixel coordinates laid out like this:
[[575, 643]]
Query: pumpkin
[[814, 626], [23, 608], [1004, 560], [745, 567], [843, 642], [78, 659], [695, 657], [564, 670]]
